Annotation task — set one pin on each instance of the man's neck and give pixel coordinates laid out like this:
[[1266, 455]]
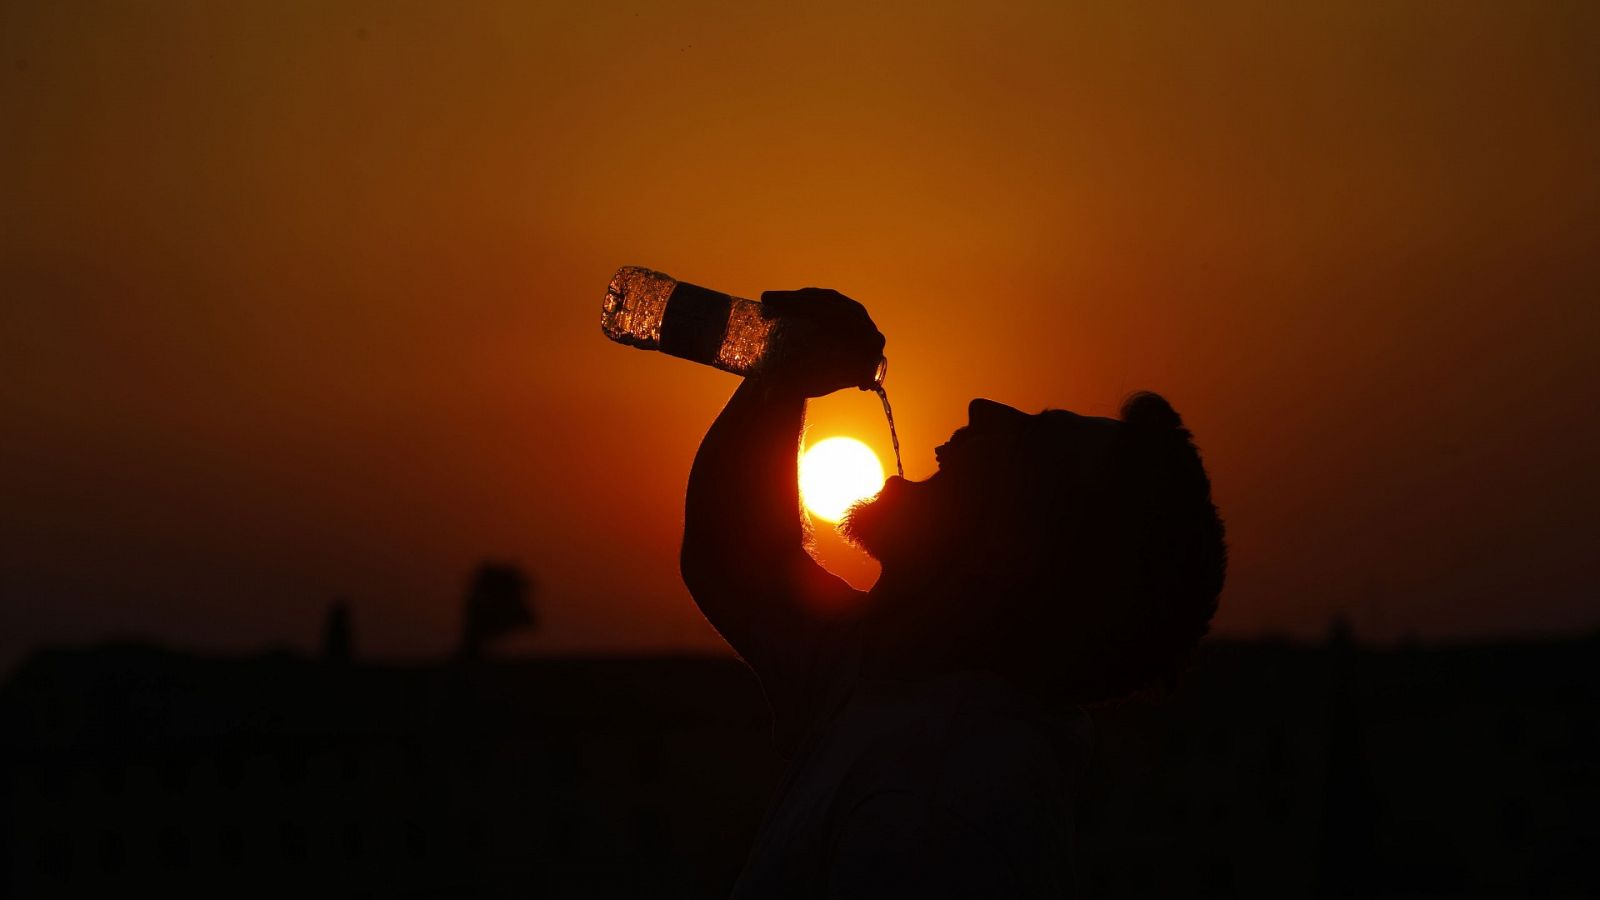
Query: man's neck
[[912, 629]]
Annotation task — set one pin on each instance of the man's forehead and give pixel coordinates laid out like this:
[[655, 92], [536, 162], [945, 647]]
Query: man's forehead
[[1095, 430], [1086, 443], [1099, 423], [1085, 436], [982, 410]]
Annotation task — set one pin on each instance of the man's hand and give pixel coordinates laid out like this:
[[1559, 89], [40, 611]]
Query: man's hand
[[826, 342]]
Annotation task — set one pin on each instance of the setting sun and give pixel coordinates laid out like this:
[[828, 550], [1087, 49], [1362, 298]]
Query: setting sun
[[837, 472]]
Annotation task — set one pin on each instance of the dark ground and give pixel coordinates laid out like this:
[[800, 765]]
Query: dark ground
[[1276, 770]]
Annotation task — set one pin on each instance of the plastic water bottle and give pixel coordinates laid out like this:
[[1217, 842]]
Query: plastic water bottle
[[653, 311]]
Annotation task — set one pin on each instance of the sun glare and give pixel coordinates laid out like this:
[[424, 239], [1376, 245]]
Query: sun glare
[[837, 472]]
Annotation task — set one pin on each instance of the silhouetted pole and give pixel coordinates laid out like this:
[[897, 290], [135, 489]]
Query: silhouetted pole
[[337, 639], [1349, 815]]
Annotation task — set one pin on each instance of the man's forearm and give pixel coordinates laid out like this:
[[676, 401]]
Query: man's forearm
[[742, 514]]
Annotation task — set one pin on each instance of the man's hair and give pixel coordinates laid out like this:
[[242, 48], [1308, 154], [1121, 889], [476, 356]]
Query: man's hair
[[1129, 567]]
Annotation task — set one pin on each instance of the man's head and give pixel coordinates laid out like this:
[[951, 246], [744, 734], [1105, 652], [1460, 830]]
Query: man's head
[[1081, 556]]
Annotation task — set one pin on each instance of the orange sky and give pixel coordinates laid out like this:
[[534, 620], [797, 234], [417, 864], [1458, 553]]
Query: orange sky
[[302, 299]]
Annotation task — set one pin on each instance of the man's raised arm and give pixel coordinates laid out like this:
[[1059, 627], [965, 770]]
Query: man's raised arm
[[744, 557]]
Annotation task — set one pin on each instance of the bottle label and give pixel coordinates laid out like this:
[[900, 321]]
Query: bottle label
[[695, 323]]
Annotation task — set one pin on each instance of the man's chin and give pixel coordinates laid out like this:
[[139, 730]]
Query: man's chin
[[862, 526], [878, 525]]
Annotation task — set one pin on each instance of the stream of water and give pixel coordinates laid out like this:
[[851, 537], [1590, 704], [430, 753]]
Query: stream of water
[[894, 436]]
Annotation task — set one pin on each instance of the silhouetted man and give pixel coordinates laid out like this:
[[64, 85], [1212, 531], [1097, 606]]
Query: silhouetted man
[[1054, 560]]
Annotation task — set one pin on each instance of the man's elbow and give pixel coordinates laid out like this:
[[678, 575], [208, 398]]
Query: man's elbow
[[720, 595], [717, 575], [697, 568], [707, 571]]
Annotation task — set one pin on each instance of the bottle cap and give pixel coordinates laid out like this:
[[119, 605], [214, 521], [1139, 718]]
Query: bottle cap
[[881, 370]]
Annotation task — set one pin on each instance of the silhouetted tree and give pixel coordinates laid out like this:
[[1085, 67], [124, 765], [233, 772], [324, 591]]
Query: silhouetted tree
[[497, 603]]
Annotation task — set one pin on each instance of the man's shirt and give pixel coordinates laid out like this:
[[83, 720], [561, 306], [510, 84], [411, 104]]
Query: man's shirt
[[947, 787]]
